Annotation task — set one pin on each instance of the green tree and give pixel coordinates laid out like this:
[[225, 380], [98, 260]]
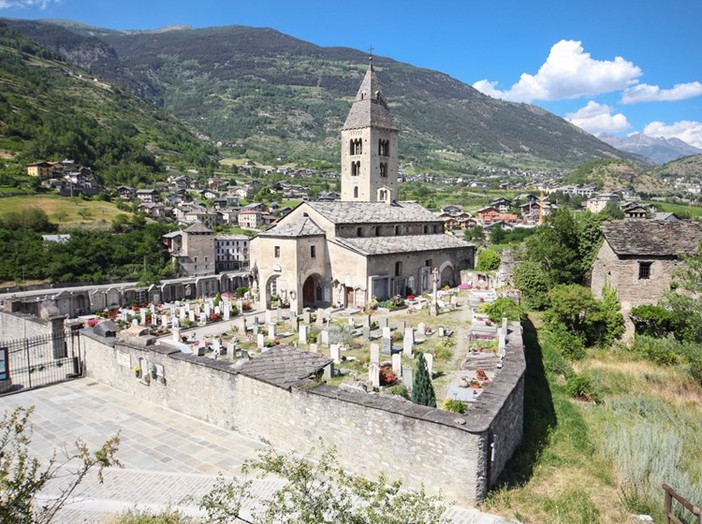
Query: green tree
[[488, 260], [685, 298], [318, 491], [422, 388], [503, 307], [22, 476], [474, 234], [534, 282], [497, 235], [612, 316]]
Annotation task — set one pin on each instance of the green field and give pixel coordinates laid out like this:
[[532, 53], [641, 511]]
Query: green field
[[65, 211], [679, 209]]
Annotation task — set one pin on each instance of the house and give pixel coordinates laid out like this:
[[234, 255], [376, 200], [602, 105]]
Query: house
[[502, 204], [638, 258], [193, 250], [148, 196], [231, 252], [41, 169], [599, 202], [366, 246], [153, 210], [635, 210], [126, 192]]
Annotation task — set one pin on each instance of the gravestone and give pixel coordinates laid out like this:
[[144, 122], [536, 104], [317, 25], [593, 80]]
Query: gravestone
[[366, 320], [314, 348], [254, 329], [243, 325], [387, 332], [227, 313], [383, 322], [208, 310], [319, 321], [176, 334], [218, 310], [422, 329], [324, 337], [374, 374], [375, 353], [407, 377], [294, 322], [260, 341], [401, 327], [442, 332], [271, 331], [191, 316], [164, 320], [430, 363], [335, 351], [230, 350], [408, 342], [302, 336], [182, 313], [386, 346], [142, 314], [269, 316], [306, 317], [366, 332], [397, 364]]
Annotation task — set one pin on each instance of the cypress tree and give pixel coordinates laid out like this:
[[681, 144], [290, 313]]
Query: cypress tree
[[422, 389]]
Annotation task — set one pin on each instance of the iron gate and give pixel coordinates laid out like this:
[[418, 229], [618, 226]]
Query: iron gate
[[39, 361]]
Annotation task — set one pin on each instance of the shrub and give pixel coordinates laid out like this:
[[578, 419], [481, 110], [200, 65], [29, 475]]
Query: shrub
[[579, 385], [663, 351], [455, 406], [503, 307], [488, 260], [565, 343], [399, 390]]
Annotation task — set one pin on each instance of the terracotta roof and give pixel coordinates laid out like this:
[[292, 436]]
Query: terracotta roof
[[370, 107], [301, 227], [402, 244], [283, 366], [643, 237], [374, 212]]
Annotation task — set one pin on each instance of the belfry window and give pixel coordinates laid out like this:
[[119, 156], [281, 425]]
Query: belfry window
[[356, 168], [355, 192], [384, 147], [383, 169]]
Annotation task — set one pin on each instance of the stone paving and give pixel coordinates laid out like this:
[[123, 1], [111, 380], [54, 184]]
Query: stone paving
[[170, 460]]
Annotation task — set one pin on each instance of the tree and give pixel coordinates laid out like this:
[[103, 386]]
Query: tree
[[497, 234], [503, 307], [488, 260], [422, 389], [534, 282], [318, 491], [612, 316], [23, 477], [685, 298], [475, 233]]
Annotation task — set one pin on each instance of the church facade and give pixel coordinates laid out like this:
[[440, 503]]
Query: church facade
[[367, 245]]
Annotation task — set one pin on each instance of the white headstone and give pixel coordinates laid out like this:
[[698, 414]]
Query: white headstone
[[271, 331], [397, 364], [324, 337], [203, 317], [387, 332], [303, 333], [260, 341], [375, 353], [335, 351], [176, 334], [314, 348], [183, 313], [430, 363], [422, 329], [142, 314], [408, 344], [374, 374], [227, 311], [191, 316]]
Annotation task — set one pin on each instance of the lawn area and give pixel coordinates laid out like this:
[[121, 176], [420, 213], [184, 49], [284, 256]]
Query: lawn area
[[65, 211], [587, 462]]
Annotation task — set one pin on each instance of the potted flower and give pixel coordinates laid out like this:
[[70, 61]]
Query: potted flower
[[137, 371]]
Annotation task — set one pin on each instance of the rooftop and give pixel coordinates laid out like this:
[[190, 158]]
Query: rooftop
[[373, 212], [643, 237], [370, 107], [402, 244], [284, 366], [301, 227]]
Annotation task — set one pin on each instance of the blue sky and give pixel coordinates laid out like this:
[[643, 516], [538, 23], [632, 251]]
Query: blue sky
[[617, 66]]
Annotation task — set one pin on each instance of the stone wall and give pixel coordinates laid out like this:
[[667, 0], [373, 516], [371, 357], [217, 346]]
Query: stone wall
[[448, 453], [14, 326]]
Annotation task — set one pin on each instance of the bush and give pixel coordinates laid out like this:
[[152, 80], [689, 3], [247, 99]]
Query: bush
[[488, 260], [663, 351], [565, 343], [400, 391], [455, 406], [579, 385], [503, 307]]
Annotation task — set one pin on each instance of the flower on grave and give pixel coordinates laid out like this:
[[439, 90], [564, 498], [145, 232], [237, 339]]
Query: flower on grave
[[387, 375], [92, 322], [482, 376]]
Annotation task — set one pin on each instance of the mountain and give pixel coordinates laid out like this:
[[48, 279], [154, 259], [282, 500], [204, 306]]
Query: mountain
[[51, 110], [614, 175], [660, 150], [689, 166], [275, 96]]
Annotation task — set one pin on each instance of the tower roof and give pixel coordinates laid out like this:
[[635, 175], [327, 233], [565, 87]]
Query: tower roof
[[370, 108]]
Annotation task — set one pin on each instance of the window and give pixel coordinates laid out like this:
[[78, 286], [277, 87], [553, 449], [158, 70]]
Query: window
[[377, 231], [645, 270], [426, 229], [276, 251], [397, 230], [398, 269], [355, 192], [356, 168], [384, 147], [359, 231], [427, 262], [313, 251], [383, 169]]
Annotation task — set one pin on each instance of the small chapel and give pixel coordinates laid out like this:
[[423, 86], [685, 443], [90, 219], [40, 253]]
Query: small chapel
[[366, 245]]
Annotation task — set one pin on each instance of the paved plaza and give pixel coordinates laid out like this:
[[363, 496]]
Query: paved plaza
[[170, 460]]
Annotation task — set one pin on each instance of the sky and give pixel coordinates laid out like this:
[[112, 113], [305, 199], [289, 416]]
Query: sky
[[615, 66]]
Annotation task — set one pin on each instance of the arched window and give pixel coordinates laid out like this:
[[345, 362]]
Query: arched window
[[352, 147], [384, 147], [377, 231], [359, 148], [356, 168], [355, 192], [426, 229], [397, 230]]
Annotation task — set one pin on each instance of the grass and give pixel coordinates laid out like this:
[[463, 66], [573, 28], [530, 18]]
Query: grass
[[682, 209], [589, 463], [65, 211]]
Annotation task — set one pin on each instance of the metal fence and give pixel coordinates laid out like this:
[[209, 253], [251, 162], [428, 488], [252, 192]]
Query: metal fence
[[39, 361]]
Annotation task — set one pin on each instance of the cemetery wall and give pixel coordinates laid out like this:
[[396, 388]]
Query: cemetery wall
[[444, 451], [15, 326]]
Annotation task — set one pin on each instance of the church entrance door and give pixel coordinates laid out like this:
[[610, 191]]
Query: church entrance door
[[308, 295]]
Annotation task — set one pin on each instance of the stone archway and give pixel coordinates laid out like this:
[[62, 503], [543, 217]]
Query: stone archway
[[271, 290], [312, 291], [447, 275]]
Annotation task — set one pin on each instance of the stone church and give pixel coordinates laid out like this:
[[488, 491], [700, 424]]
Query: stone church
[[367, 245]]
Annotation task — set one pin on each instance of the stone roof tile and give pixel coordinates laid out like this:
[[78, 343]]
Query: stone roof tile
[[301, 227], [283, 366], [374, 212], [402, 244], [643, 237]]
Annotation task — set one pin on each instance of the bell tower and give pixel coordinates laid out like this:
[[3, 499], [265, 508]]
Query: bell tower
[[369, 146]]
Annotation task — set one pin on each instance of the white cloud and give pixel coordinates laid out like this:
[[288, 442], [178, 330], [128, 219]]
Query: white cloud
[[598, 118], [569, 72], [41, 4], [649, 93], [686, 130]]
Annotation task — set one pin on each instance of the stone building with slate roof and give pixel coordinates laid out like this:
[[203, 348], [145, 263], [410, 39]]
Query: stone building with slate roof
[[367, 245], [638, 258]]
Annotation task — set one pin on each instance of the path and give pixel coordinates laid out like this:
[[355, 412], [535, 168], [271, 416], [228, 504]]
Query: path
[[169, 459]]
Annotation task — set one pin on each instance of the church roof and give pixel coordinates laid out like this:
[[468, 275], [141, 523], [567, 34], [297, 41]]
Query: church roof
[[369, 108], [301, 227], [402, 244], [643, 237], [373, 212]]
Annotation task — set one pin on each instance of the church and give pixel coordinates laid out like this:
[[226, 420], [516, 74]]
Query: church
[[366, 246]]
